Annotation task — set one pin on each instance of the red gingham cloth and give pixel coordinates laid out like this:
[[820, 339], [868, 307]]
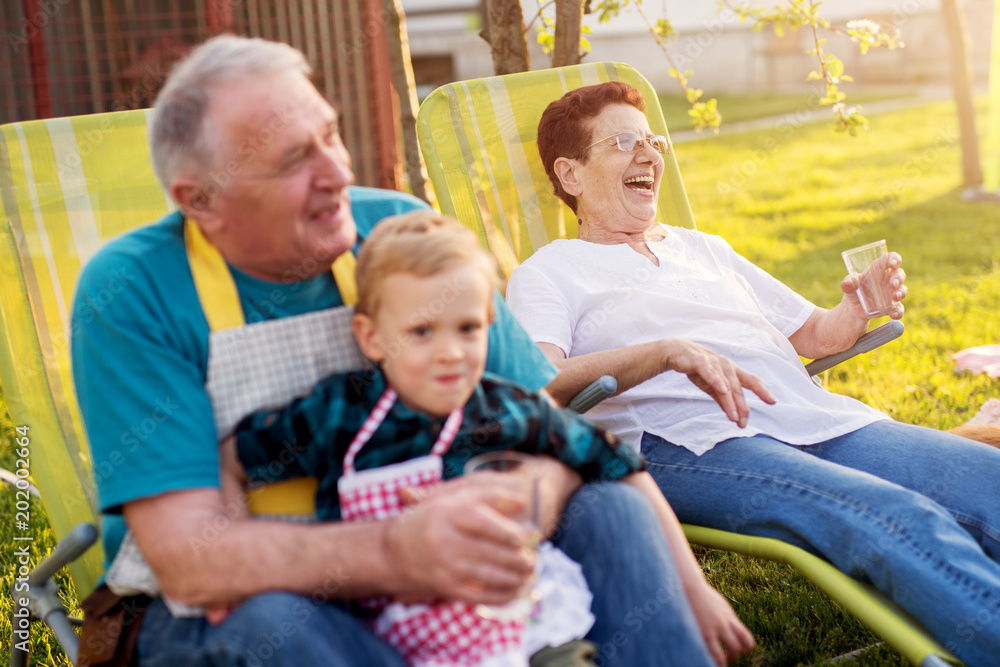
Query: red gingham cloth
[[447, 633]]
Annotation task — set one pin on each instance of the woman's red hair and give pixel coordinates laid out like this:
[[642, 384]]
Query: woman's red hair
[[564, 130]]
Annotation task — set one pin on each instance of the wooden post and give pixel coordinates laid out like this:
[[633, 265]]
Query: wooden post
[[569, 23], [406, 95], [37, 58], [961, 83], [384, 116], [219, 16], [505, 33], [991, 175]]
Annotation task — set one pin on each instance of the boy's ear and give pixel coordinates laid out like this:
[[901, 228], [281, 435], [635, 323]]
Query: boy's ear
[[566, 173], [363, 327]]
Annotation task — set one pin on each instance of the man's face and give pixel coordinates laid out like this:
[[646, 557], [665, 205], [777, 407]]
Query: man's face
[[278, 207], [431, 335]]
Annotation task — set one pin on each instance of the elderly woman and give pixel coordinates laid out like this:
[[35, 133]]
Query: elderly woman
[[671, 312]]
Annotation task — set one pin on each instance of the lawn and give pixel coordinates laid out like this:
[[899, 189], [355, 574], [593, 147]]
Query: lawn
[[791, 199]]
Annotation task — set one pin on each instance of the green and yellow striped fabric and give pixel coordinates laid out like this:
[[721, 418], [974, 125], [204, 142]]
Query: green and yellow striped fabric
[[478, 138], [67, 185]]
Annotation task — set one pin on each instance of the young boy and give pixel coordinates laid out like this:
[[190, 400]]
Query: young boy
[[425, 295]]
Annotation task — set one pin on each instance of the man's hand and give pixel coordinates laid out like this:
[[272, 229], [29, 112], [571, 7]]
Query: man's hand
[[490, 557], [459, 542], [717, 376]]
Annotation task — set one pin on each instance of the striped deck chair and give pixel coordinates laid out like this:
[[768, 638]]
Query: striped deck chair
[[478, 138], [67, 186]]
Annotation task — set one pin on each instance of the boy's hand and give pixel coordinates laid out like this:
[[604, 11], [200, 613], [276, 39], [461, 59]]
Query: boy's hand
[[724, 633], [216, 615]]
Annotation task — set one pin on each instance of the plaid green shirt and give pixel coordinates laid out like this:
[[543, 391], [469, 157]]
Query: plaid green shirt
[[310, 436]]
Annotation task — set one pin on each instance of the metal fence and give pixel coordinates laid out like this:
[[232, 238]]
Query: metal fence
[[73, 57]]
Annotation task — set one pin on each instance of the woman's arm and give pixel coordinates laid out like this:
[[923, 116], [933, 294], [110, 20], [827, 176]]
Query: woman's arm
[[827, 332], [717, 376], [724, 633]]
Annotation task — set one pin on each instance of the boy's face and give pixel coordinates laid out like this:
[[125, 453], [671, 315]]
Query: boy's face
[[430, 334]]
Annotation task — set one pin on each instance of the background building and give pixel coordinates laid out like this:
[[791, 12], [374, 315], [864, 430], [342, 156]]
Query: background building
[[725, 55]]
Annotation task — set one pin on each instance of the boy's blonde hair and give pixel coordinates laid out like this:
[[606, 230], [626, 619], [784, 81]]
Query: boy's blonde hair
[[421, 243]]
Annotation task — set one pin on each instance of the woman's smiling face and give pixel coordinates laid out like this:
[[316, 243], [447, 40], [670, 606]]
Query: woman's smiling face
[[618, 190]]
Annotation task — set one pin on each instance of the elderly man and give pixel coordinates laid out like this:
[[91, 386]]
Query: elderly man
[[251, 154]]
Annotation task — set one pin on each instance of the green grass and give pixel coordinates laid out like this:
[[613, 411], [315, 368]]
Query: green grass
[[735, 108], [791, 199], [44, 649]]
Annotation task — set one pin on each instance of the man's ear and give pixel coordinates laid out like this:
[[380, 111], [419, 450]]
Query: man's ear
[[363, 327], [566, 172], [196, 203]]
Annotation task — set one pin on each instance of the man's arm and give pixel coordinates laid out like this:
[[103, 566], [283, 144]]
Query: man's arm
[[435, 549], [712, 373]]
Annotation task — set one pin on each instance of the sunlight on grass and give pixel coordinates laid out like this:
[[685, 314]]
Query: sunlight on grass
[[791, 199]]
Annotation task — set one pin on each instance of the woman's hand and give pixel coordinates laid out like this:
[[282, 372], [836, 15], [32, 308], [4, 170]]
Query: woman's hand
[[892, 279], [724, 633], [717, 376]]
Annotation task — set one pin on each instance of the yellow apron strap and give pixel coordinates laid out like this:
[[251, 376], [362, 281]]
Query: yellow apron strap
[[292, 497], [221, 302], [343, 274], [214, 281]]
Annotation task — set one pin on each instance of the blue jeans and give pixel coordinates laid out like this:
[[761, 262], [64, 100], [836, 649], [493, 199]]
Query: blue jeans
[[643, 616], [913, 510]]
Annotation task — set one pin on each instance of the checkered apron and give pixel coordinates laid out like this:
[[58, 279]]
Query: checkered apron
[[446, 633]]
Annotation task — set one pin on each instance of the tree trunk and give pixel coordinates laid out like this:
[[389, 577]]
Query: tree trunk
[[961, 81], [569, 22], [505, 34], [406, 91]]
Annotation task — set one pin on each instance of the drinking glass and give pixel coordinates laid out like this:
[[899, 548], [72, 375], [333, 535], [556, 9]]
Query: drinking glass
[[869, 265], [521, 476]]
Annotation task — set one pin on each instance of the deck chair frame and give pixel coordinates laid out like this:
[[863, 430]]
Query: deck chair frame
[[478, 139]]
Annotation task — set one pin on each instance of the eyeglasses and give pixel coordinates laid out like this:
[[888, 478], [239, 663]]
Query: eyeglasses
[[630, 142]]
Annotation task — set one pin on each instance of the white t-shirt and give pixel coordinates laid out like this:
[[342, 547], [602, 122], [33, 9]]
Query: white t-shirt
[[585, 297]]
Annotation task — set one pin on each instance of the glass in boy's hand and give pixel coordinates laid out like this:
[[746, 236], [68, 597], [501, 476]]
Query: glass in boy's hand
[[519, 475], [869, 265]]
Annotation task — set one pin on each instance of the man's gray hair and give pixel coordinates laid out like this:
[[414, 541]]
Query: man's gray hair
[[179, 137]]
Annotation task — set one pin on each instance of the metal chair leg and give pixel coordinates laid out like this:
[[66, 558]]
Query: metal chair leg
[[43, 595], [20, 638]]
